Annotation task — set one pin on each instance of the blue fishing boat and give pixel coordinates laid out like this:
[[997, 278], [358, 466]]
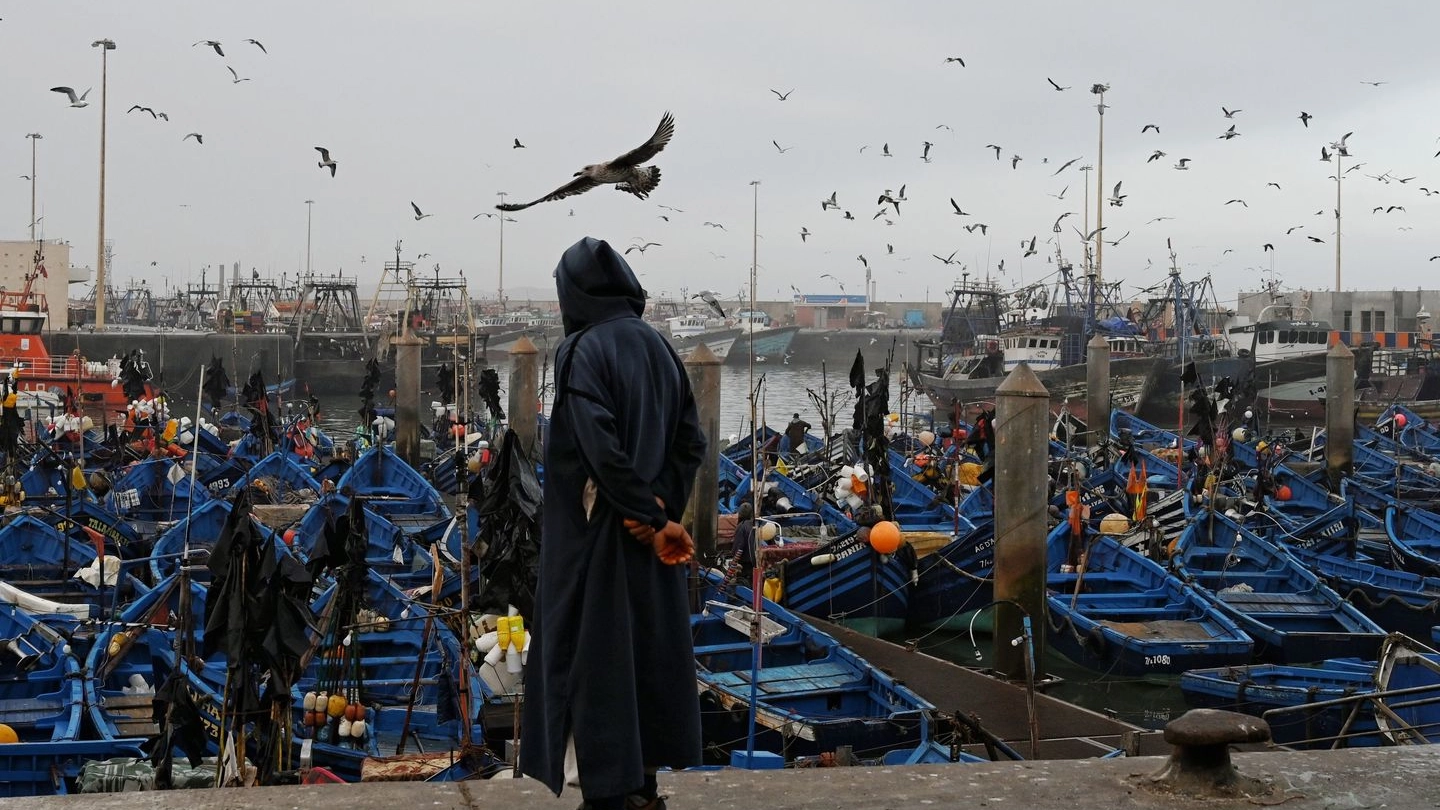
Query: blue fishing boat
[[395, 490], [1398, 601], [1405, 680], [42, 700], [1410, 429], [201, 529], [152, 492], [38, 560], [955, 580], [87, 521], [1292, 616], [388, 549], [403, 677], [279, 478], [1414, 538], [812, 693], [135, 655], [1119, 612]]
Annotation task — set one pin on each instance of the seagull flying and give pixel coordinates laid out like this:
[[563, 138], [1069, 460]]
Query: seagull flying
[[1305, 118], [950, 59], [1029, 249], [642, 248], [1067, 165], [784, 95], [625, 171], [325, 160], [197, 136], [141, 109], [419, 216], [1242, 202], [1156, 155], [1267, 246], [947, 260], [517, 144], [236, 76], [829, 203], [708, 296], [996, 147], [1116, 198], [712, 225], [1229, 113], [1056, 86], [257, 44], [1374, 84], [1183, 164], [885, 151], [862, 260], [1117, 242], [1015, 161], [1229, 133], [1147, 127], [211, 44], [75, 101], [804, 232], [782, 149], [956, 206], [925, 155], [1316, 239]]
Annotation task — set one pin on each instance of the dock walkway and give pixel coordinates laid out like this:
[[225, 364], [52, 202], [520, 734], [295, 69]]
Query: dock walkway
[[1067, 731], [1370, 777]]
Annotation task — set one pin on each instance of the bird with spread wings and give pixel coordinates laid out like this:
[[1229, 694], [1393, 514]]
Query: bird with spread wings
[[624, 172]]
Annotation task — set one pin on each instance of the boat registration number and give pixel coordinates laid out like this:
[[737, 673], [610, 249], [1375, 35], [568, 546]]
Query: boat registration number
[[1157, 660]]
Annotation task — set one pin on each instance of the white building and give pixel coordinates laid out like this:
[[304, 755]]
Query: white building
[[16, 260]]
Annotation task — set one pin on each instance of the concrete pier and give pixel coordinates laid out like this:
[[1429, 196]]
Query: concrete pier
[[703, 511], [1022, 450], [1400, 777], [1339, 414], [525, 393], [1097, 390], [407, 398]]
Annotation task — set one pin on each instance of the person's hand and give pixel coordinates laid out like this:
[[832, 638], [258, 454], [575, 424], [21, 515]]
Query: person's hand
[[640, 530], [674, 545]]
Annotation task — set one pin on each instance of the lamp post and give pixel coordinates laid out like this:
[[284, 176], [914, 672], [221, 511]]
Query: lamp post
[[105, 46], [1099, 90], [1087, 168], [500, 280], [309, 209], [34, 136], [1340, 150]]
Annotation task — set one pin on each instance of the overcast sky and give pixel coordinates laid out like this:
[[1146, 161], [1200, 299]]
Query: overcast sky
[[421, 101]]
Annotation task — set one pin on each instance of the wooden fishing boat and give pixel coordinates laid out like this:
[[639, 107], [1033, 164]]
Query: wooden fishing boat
[[812, 694], [1119, 612], [43, 701], [395, 490], [1394, 699], [1292, 616], [152, 492]]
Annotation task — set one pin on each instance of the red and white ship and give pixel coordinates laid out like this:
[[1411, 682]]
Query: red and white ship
[[40, 379]]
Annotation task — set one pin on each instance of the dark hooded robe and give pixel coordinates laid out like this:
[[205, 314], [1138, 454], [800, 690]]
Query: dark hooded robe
[[611, 662]]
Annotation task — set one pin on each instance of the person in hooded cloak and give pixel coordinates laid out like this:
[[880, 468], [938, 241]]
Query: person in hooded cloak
[[611, 667]]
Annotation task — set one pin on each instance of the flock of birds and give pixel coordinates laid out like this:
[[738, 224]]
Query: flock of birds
[[631, 172]]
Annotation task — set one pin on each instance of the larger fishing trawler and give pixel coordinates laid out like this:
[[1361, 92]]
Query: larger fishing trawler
[[47, 384]]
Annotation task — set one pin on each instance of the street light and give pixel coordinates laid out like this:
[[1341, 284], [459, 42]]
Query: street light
[[105, 46], [309, 208], [500, 281], [1099, 90], [1339, 150], [34, 136]]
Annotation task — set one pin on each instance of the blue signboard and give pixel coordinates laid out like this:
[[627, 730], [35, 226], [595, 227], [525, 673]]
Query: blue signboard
[[832, 300]]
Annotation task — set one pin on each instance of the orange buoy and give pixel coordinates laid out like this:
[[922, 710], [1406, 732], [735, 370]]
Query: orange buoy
[[885, 537]]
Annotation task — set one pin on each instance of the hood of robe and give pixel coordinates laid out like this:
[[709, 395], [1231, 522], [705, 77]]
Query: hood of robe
[[595, 284]]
